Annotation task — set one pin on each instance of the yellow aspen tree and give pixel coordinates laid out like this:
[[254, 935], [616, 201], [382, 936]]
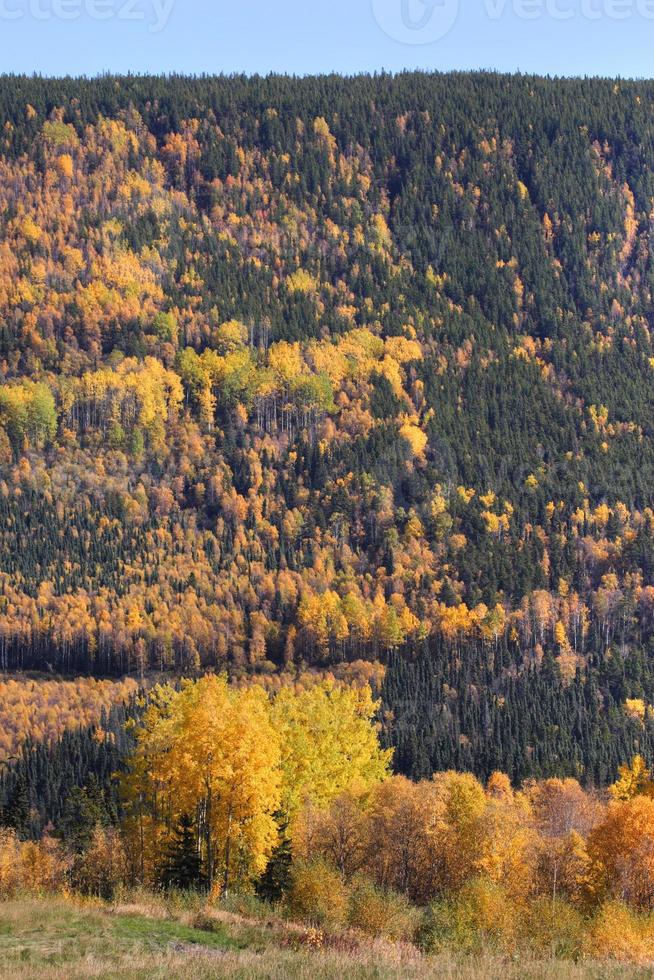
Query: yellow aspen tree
[[212, 751], [329, 742]]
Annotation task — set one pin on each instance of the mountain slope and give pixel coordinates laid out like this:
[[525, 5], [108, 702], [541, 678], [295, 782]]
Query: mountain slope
[[302, 370]]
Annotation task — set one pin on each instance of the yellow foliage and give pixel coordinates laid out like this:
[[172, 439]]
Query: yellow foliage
[[523, 191], [214, 748], [323, 132], [392, 371], [403, 350], [318, 894], [65, 165], [381, 231], [560, 636], [26, 708], [465, 494], [415, 437], [622, 848], [635, 707], [286, 360], [328, 742], [618, 933], [231, 335], [482, 916], [301, 281], [30, 230], [33, 866], [635, 779], [381, 913]]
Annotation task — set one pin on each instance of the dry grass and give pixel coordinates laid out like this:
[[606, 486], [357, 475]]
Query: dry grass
[[147, 937]]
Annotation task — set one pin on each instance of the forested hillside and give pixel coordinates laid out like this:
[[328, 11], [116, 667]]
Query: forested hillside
[[41, 710], [297, 371]]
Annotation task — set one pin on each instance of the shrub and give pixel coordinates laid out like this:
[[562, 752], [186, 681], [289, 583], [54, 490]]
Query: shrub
[[246, 904], [553, 928], [102, 868], [318, 894], [9, 870], [205, 922], [622, 934], [480, 917], [30, 865], [381, 913], [43, 865]]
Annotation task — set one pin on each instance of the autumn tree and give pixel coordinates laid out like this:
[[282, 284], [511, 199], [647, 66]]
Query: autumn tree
[[328, 742], [210, 750]]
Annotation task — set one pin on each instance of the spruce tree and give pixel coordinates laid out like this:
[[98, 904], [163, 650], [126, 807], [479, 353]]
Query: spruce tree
[[182, 865], [276, 878], [16, 811]]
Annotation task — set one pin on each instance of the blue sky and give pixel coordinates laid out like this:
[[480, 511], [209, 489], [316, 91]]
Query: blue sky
[[563, 37]]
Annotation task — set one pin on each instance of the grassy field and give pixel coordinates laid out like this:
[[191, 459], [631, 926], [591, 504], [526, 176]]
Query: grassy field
[[60, 938]]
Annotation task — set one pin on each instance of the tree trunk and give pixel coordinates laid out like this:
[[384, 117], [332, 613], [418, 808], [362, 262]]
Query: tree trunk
[[228, 843]]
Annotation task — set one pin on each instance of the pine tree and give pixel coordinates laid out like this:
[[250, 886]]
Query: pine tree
[[16, 811], [83, 812], [182, 865], [276, 878]]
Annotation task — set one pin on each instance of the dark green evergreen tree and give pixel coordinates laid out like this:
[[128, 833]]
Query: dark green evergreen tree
[[84, 809], [276, 878], [181, 865], [16, 809]]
